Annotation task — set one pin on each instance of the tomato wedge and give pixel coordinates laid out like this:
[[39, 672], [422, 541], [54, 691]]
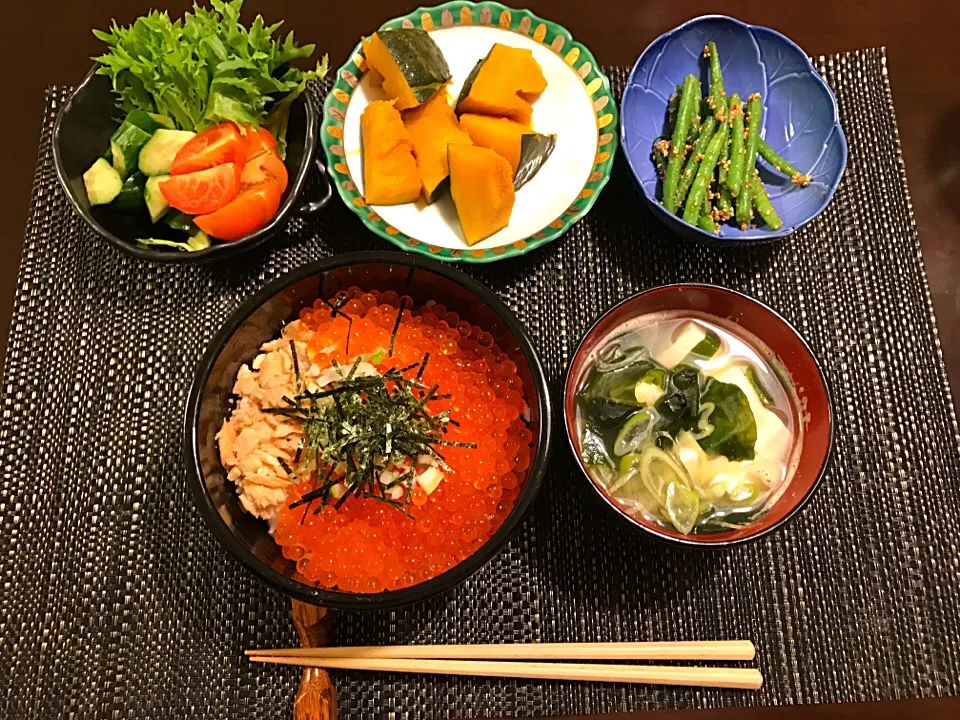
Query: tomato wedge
[[266, 167], [218, 145], [259, 141], [204, 191], [249, 211]]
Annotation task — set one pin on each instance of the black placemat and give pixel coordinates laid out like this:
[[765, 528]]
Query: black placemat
[[115, 601]]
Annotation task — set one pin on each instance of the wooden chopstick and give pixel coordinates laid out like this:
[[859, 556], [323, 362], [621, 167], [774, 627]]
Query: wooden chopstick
[[705, 650], [737, 678]]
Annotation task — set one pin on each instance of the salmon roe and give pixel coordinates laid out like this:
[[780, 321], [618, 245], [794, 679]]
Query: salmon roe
[[368, 546]]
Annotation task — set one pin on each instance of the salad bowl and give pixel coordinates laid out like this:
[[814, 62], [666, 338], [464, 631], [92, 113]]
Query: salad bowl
[[84, 127]]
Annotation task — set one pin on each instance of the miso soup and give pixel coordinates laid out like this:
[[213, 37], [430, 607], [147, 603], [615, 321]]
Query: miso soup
[[689, 421]]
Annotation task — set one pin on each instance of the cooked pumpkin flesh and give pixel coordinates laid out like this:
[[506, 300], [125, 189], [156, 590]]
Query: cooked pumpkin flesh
[[410, 64], [481, 183], [432, 127], [390, 174], [499, 134], [504, 84]]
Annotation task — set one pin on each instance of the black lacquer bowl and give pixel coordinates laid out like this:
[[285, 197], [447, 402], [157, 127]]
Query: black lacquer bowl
[[260, 319], [82, 133]]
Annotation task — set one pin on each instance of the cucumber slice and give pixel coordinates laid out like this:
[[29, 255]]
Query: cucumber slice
[[125, 146], [162, 120], [182, 222], [157, 204], [103, 183], [130, 198], [148, 122], [156, 157], [198, 241]]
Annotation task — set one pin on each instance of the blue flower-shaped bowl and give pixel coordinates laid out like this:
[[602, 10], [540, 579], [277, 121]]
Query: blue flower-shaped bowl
[[800, 118]]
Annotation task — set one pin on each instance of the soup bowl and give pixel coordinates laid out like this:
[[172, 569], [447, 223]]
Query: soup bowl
[[794, 362], [261, 319]]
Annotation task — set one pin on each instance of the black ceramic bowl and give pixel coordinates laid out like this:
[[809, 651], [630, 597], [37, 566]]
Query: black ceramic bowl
[[82, 133], [260, 319]]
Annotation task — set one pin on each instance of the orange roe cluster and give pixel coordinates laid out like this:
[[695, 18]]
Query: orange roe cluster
[[367, 546]]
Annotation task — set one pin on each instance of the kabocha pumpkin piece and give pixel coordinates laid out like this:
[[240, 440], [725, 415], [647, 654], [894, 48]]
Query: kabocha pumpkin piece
[[534, 151], [410, 64], [481, 183], [525, 150], [432, 126], [497, 133], [504, 83], [390, 174]]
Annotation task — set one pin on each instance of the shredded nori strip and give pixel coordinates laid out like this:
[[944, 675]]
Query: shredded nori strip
[[423, 366], [396, 326], [335, 309], [368, 424], [296, 367]]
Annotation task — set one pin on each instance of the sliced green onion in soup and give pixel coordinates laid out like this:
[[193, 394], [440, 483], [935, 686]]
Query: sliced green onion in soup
[[682, 506], [668, 481], [744, 489], [635, 432], [754, 379], [629, 487], [604, 473], [650, 386]]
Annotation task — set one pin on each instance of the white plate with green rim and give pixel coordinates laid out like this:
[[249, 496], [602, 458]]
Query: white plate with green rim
[[577, 106]]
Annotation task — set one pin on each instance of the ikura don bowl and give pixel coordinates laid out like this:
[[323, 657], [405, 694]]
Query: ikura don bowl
[[260, 319]]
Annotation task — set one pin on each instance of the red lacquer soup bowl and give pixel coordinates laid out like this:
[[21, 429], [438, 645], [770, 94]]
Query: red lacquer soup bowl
[[813, 405]]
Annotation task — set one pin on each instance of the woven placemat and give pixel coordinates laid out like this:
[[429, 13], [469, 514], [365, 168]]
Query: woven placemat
[[115, 600]]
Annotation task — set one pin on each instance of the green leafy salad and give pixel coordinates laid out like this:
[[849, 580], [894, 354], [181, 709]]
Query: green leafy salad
[[206, 68], [206, 103]]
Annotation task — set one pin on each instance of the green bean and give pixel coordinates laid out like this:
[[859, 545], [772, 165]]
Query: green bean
[[735, 171], [782, 164], [706, 222], [694, 128], [706, 204], [696, 155], [689, 106], [698, 192], [717, 91], [723, 165], [761, 201], [725, 204], [745, 199]]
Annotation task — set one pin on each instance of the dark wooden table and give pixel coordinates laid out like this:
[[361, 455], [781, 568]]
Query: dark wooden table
[[919, 36]]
